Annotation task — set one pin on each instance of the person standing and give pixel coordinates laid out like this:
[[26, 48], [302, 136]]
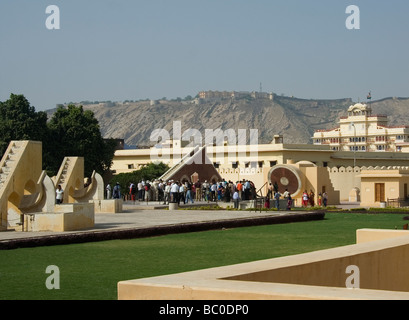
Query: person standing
[[275, 187], [148, 191], [189, 193], [320, 199], [289, 202], [174, 192], [287, 195], [311, 197], [59, 195], [325, 198], [236, 199], [305, 199], [198, 186], [248, 189], [167, 194], [270, 191], [181, 194], [140, 191], [239, 188], [108, 190], [277, 198], [117, 191], [243, 191], [132, 191], [213, 190], [267, 203], [205, 191], [227, 194]]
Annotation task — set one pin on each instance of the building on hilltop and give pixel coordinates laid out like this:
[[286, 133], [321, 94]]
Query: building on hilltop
[[219, 95], [361, 131]]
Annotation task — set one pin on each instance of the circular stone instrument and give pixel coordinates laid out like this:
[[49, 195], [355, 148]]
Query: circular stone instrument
[[286, 177]]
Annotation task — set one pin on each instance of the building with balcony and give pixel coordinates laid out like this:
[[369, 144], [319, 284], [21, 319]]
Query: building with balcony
[[361, 131]]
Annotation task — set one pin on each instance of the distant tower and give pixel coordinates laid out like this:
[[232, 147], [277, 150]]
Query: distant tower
[[369, 98], [261, 87]]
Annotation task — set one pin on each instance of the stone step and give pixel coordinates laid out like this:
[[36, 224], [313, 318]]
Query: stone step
[[5, 169]]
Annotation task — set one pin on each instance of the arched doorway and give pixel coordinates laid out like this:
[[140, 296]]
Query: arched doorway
[[355, 195]]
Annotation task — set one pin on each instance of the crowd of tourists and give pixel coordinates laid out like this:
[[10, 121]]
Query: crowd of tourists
[[185, 192], [227, 191], [308, 199]]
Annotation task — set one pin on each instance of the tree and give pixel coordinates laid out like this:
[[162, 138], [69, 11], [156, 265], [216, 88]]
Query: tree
[[75, 132], [20, 121], [150, 172]]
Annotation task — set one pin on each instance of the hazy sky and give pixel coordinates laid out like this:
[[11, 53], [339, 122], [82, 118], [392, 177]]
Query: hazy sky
[[132, 49]]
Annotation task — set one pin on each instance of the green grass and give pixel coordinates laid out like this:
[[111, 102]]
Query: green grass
[[92, 270]]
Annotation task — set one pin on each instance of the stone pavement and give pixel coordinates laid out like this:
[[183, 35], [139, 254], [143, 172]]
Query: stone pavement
[[138, 218]]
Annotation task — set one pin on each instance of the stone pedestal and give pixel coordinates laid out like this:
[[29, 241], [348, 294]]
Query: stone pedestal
[[66, 217], [173, 206], [108, 206]]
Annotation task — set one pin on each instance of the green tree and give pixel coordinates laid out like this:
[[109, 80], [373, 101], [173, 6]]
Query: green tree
[[151, 172], [20, 121], [75, 132]]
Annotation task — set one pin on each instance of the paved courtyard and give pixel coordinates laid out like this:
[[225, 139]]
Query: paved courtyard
[[134, 218], [140, 216]]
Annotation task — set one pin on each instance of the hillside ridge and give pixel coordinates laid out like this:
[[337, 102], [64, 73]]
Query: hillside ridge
[[295, 118]]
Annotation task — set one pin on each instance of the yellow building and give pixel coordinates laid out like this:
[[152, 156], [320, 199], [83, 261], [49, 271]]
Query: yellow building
[[255, 163], [383, 186], [361, 141], [361, 131], [248, 160]]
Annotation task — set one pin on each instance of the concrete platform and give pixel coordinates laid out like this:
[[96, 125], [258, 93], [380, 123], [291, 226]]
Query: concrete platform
[[134, 223]]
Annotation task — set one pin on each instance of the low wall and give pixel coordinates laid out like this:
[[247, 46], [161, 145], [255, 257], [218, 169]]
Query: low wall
[[382, 266], [368, 235]]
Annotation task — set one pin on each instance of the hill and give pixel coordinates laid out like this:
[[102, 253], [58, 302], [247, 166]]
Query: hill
[[296, 119]]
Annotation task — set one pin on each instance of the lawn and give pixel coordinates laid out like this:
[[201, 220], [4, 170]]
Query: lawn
[[92, 270]]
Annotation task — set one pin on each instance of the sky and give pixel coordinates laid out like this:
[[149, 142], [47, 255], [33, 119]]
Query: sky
[[149, 49]]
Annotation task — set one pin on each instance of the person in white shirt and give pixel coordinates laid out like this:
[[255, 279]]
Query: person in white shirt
[[236, 199], [108, 189], [213, 190], [174, 192], [181, 194], [59, 195], [167, 194], [140, 191]]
